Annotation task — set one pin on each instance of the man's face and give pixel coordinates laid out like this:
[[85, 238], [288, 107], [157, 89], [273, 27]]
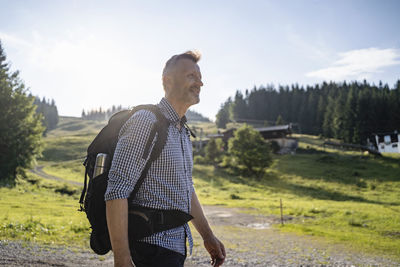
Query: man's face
[[186, 82]]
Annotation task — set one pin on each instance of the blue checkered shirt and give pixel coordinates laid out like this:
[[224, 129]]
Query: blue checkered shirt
[[168, 184]]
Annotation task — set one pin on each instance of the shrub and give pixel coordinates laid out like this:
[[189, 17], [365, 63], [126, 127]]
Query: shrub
[[227, 161], [199, 160], [214, 150], [234, 196], [66, 189], [249, 149]]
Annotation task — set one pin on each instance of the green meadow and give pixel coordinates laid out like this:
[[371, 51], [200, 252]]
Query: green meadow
[[37, 210], [341, 196]]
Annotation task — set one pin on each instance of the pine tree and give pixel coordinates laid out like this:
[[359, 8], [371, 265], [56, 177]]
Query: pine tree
[[49, 111], [328, 116], [223, 115], [279, 120], [239, 107], [339, 116], [349, 117], [20, 127]]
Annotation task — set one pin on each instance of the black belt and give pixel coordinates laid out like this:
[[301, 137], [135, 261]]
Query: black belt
[[147, 221]]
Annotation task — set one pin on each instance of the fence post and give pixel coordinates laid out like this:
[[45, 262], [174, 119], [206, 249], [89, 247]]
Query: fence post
[[281, 213]]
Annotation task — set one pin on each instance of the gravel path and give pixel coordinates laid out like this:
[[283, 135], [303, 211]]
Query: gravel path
[[249, 239]]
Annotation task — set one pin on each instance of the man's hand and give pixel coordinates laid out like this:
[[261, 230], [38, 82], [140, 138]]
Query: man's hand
[[211, 243], [216, 250], [126, 262]]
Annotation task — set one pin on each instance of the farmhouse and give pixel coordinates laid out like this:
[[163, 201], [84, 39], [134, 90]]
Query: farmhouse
[[279, 134], [388, 142]]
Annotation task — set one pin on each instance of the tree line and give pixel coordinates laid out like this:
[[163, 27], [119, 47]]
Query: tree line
[[102, 114], [49, 112], [347, 111]]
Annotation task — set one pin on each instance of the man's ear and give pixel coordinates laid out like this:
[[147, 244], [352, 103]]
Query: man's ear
[[167, 82]]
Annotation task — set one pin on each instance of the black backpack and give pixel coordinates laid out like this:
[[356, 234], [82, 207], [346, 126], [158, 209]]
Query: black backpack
[[92, 197]]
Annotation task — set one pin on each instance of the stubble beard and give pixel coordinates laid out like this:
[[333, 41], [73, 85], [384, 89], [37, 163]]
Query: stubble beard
[[188, 96]]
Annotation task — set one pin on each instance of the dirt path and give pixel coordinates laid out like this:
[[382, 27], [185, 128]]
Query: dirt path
[[250, 240], [38, 170]]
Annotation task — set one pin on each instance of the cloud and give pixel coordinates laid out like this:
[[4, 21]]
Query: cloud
[[358, 64], [96, 60], [99, 70], [314, 48], [12, 40]]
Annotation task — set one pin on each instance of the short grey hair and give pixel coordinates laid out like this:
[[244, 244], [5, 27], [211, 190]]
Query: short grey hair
[[191, 54]]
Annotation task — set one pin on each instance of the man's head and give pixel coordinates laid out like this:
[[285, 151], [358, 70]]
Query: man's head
[[182, 78]]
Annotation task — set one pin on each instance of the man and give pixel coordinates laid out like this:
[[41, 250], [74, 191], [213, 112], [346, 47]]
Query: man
[[168, 184]]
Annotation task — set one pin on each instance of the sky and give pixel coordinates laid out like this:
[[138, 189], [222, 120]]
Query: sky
[[91, 54]]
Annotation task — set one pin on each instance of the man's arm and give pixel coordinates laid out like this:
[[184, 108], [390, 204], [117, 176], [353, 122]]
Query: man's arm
[[117, 222], [211, 242]]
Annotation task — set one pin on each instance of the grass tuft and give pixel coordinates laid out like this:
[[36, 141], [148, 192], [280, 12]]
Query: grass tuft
[[66, 189]]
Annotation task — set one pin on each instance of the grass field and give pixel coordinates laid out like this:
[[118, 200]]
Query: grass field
[[343, 196], [41, 211]]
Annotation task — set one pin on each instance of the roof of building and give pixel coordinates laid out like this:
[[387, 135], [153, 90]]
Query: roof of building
[[215, 135], [387, 133], [274, 128]]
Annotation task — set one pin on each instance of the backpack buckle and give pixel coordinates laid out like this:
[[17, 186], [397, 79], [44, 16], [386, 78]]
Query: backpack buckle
[[85, 162], [158, 217]]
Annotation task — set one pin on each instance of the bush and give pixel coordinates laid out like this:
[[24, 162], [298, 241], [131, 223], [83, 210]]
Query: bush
[[66, 189], [227, 161], [214, 150], [249, 149], [199, 160]]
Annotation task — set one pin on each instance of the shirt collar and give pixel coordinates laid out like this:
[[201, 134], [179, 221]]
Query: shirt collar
[[170, 112]]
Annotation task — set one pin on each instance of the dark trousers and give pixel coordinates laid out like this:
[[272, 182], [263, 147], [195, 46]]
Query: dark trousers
[[147, 255]]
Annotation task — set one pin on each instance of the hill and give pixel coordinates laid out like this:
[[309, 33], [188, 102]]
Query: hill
[[194, 116]]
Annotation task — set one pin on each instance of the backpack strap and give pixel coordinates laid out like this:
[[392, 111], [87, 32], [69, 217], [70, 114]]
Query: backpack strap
[[161, 128], [85, 183], [81, 208]]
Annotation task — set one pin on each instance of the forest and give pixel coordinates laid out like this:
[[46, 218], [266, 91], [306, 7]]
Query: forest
[[49, 112], [347, 111]]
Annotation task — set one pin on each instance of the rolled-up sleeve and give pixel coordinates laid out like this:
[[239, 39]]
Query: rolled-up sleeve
[[130, 156]]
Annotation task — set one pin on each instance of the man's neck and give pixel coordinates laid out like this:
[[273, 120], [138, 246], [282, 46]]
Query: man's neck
[[178, 106]]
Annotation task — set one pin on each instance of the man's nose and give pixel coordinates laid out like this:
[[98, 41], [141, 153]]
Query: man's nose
[[199, 82]]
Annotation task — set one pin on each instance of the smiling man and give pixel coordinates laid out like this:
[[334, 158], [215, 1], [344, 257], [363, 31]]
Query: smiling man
[[168, 184]]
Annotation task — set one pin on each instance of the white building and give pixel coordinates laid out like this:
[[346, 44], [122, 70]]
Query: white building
[[388, 142]]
